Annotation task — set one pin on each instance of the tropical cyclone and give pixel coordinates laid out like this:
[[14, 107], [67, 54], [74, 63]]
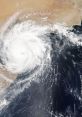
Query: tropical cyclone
[[25, 45], [48, 61]]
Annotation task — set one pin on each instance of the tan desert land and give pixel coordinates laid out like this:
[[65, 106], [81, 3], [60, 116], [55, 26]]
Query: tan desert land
[[68, 11]]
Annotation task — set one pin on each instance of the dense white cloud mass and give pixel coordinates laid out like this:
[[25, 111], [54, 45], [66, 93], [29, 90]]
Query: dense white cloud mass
[[24, 47]]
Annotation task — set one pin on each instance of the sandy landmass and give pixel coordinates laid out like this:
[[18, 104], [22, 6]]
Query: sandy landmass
[[68, 11]]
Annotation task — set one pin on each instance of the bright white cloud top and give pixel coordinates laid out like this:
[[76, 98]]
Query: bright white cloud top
[[24, 47]]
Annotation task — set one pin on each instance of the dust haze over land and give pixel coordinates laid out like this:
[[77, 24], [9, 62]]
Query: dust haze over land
[[67, 11]]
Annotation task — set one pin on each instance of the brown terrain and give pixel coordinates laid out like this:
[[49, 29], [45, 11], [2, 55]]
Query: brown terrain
[[68, 11], [62, 11]]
